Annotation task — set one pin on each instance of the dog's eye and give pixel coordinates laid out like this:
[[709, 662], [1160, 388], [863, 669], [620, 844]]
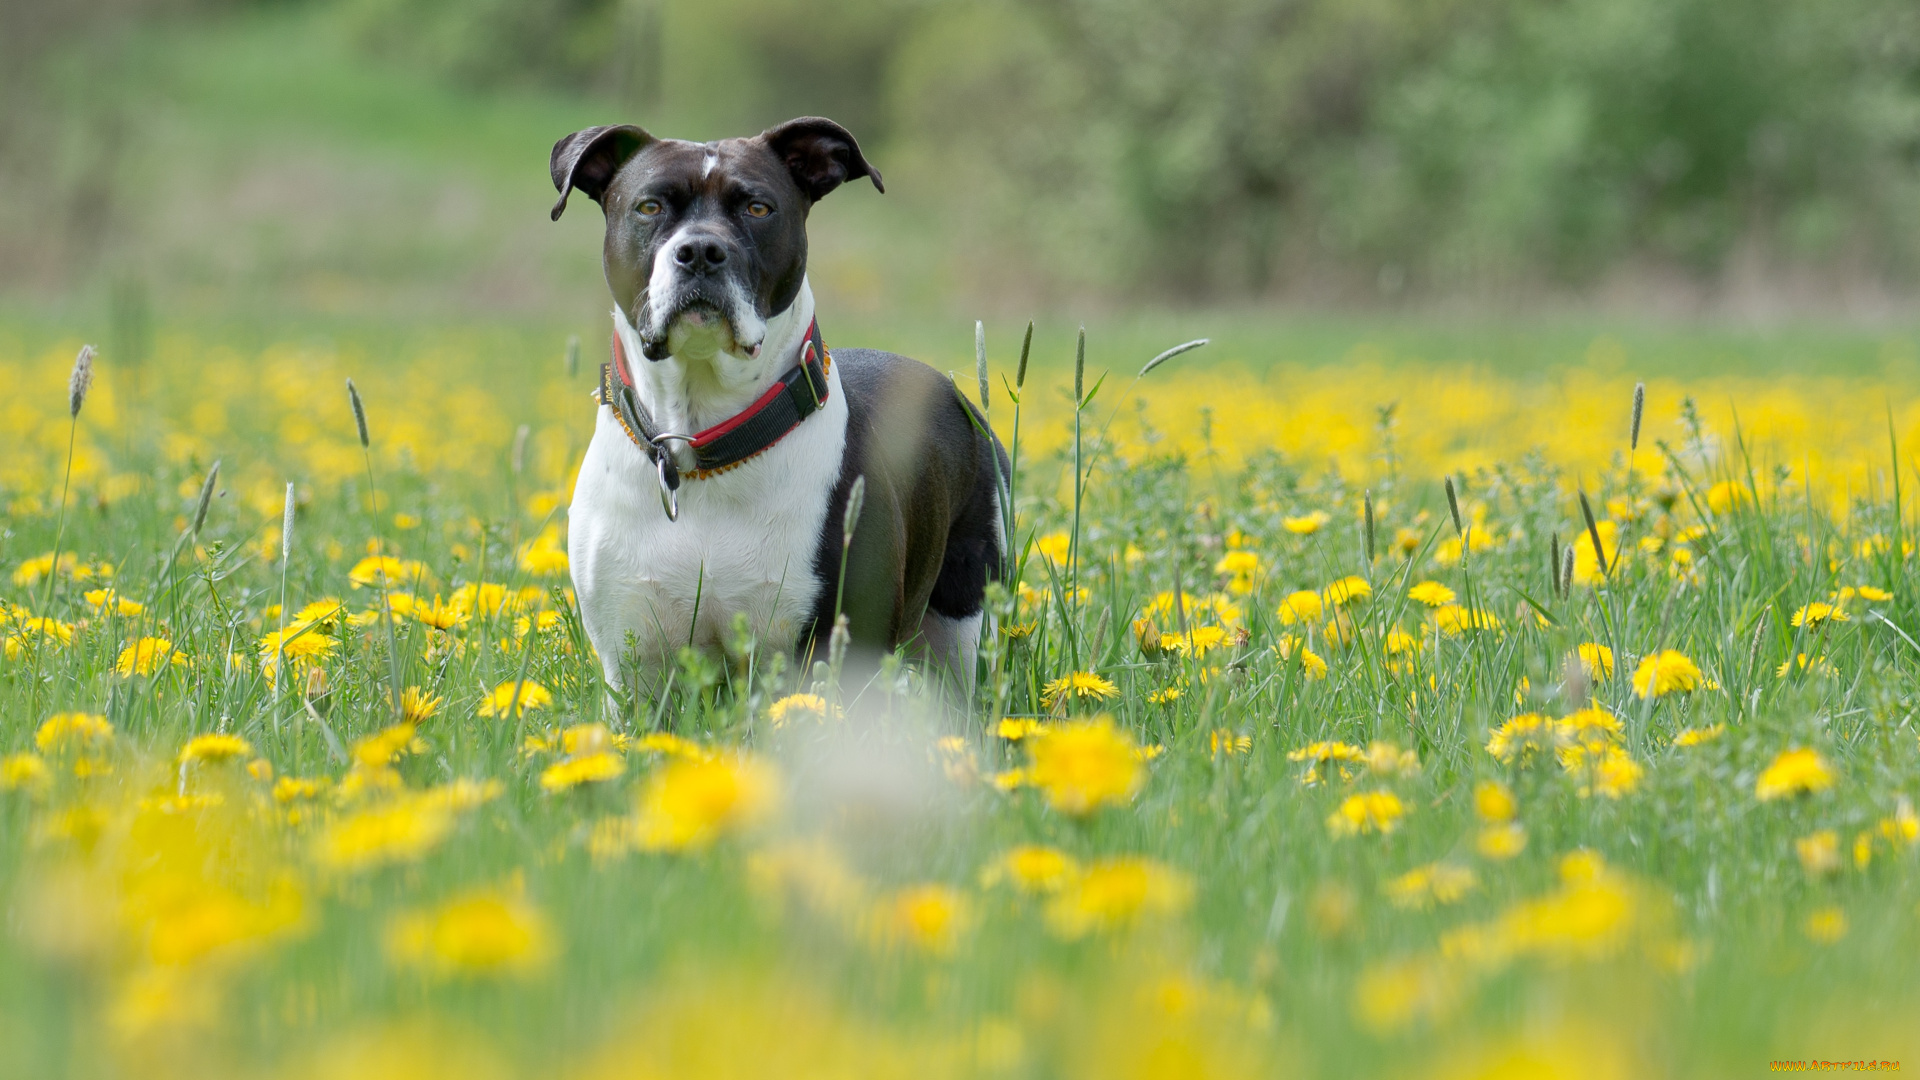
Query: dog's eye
[[759, 209], [649, 207]]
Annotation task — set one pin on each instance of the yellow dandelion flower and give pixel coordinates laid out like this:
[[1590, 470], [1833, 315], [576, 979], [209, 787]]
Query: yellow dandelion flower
[[1454, 620], [1501, 842], [386, 571], [417, 705], [1306, 524], [1222, 743], [691, 803], [1301, 608], [1166, 695], [797, 706], [1826, 926], [1818, 665], [1312, 665], [110, 602], [1386, 759], [32, 571], [1031, 868], [24, 772], [1114, 893], [931, 918], [1590, 726], [1435, 883], [215, 748], [1602, 769], [1084, 765], [544, 557], [590, 768], [1015, 728], [503, 702], [1081, 685], [1348, 590], [437, 613], [1521, 736], [1666, 672], [1726, 495], [1903, 826], [1597, 659], [1819, 853], [1055, 547], [1873, 593], [1816, 613], [481, 934], [145, 656], [63, 732], [1494, 803], [1798, 771], [1367, 812], [1698, 736]]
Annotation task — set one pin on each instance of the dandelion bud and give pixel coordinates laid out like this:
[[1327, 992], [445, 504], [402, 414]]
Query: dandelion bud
[[286, 528], [206, 498], [856, 496], [1593, 533], [1453, 507], [1639, 406], [79, 382], [980, 360], [573, 355], [359, 413], [1026, 346]]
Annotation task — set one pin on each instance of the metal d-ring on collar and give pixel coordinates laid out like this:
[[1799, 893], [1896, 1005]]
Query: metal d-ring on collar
[[669, 471]]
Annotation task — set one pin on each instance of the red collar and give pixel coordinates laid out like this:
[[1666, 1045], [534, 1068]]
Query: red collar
[[798, 394]]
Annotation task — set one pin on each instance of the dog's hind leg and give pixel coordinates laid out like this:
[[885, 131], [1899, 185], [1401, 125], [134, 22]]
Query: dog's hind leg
[[952, 647]]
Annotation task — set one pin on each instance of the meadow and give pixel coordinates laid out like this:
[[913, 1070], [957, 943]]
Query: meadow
[[1361, 703]]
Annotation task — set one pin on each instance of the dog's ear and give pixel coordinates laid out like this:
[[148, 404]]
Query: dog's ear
[[820, 154], [589, 159]]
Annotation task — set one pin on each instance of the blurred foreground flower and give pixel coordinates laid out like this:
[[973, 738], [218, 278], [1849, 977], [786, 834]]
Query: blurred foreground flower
[[485, 933], [1795, 772], [1114, 893], [1084, 765], [690, 803]]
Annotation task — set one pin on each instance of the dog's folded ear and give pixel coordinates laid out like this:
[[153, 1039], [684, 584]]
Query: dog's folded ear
[[820, 154], [588, 160]]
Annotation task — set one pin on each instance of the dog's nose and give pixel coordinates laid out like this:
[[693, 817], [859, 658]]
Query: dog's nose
[[700, 256]]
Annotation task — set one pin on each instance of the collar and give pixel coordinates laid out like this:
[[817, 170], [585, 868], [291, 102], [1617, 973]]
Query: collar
[[792, 398]]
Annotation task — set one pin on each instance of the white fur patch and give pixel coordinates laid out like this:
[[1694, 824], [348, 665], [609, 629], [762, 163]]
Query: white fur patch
[[745, 540]]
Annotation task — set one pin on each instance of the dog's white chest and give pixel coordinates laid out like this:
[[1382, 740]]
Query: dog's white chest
[[745, 543]]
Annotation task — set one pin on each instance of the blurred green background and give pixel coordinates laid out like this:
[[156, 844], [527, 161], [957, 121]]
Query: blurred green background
[[281, 160]]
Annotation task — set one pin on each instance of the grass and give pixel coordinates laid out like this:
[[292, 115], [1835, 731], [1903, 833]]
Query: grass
[[791, 881]]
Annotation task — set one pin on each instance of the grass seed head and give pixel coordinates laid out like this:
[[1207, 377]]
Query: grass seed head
[[1593, 534], [80, 381], [856, 497], [286, 527], [573, 355], [1366, 500], [1553, 565], [1080, 367], [1566, 571], [206, 498], [359, 413], [1184, 347], [1639, 407], [1453, 508]]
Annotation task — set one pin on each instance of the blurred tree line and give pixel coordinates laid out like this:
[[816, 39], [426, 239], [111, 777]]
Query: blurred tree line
[[1242, 146], [1222, 148]]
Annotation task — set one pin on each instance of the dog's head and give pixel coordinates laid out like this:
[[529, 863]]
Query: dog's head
[[706, 241]]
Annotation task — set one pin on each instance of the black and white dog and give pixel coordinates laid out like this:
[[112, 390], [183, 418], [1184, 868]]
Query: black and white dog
[[721, 464]]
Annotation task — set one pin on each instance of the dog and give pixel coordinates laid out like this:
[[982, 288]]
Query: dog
[[730, 439]]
